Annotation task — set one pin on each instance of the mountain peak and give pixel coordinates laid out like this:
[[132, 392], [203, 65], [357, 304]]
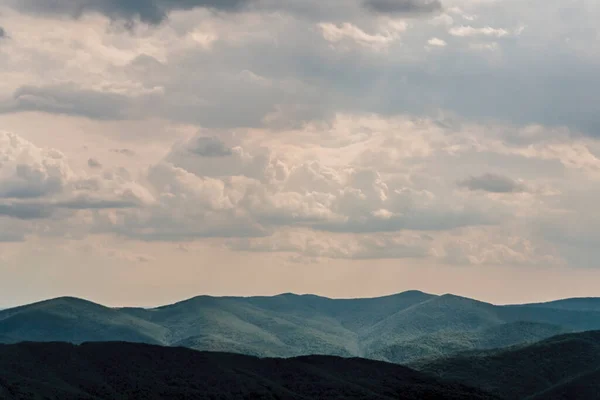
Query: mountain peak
[[68, 300]]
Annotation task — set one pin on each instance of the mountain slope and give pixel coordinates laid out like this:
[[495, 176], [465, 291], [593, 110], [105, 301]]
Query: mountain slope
[[580, 387], [447, 343], [546, 370], [75, 320], [581, 304], [136, 371], [399, 328]]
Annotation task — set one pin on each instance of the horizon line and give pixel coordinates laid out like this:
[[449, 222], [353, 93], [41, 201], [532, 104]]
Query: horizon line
[[291, 294]]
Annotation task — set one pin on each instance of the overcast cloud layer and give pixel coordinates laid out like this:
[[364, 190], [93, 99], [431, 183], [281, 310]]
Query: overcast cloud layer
[[330, 137]]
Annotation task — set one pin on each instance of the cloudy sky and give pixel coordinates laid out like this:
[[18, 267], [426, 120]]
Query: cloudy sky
[[153, 150]]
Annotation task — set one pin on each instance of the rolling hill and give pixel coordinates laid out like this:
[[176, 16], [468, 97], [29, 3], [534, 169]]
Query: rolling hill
[[399, 328], [95, 371], [561, 367]]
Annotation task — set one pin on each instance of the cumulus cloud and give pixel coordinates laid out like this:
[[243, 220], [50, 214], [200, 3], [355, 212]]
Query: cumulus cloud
[[360, 187], [205, 187], [37, 183], [30, 172], [493, 183]]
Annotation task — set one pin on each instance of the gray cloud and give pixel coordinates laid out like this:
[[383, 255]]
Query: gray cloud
[[93, 163], [149, 11], [49, 208], [88, 203], [403, 6], [30, 182], [9, 237], [67, 99], [493, 183], [25, 211], [429, 220], [12, 230], [209, 147], [2, 33]]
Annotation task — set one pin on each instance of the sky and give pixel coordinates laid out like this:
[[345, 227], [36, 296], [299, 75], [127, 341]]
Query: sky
[[154, 150]]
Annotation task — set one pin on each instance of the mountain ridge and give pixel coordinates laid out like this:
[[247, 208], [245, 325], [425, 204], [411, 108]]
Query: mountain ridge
[[396, 328], [563, 366], [117, 370], [555, 302]]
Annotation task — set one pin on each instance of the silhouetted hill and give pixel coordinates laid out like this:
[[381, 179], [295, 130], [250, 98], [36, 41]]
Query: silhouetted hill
[[136, 371], [562, 367], [399, 328]]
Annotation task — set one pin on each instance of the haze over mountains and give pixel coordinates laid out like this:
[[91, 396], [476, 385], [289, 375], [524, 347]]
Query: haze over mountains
[[399, 328]]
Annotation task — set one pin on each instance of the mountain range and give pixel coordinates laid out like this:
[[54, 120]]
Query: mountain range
[[400, 328], [119, 371], [562, 367]]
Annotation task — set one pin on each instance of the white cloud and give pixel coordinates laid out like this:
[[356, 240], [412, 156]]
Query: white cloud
[[437, 42], [38, 182], [337, 34], [469, 31]]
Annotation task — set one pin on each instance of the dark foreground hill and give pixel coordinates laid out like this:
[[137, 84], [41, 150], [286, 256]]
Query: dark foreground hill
[[137, 371], [399, 328], [563, 367]]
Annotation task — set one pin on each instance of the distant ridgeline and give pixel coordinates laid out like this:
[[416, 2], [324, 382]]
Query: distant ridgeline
[[401, 328]]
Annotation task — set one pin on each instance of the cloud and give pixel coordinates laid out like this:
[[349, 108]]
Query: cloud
[[360, 187], [38, 183], [493, 183], [339, 33], [67, 99], [207, 188], [436, 42], [3, 34], [469, 31], [25, 211], [209, 147], [93, 163], [151, 74], [402, 6], [148, 11], [29, 172]]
